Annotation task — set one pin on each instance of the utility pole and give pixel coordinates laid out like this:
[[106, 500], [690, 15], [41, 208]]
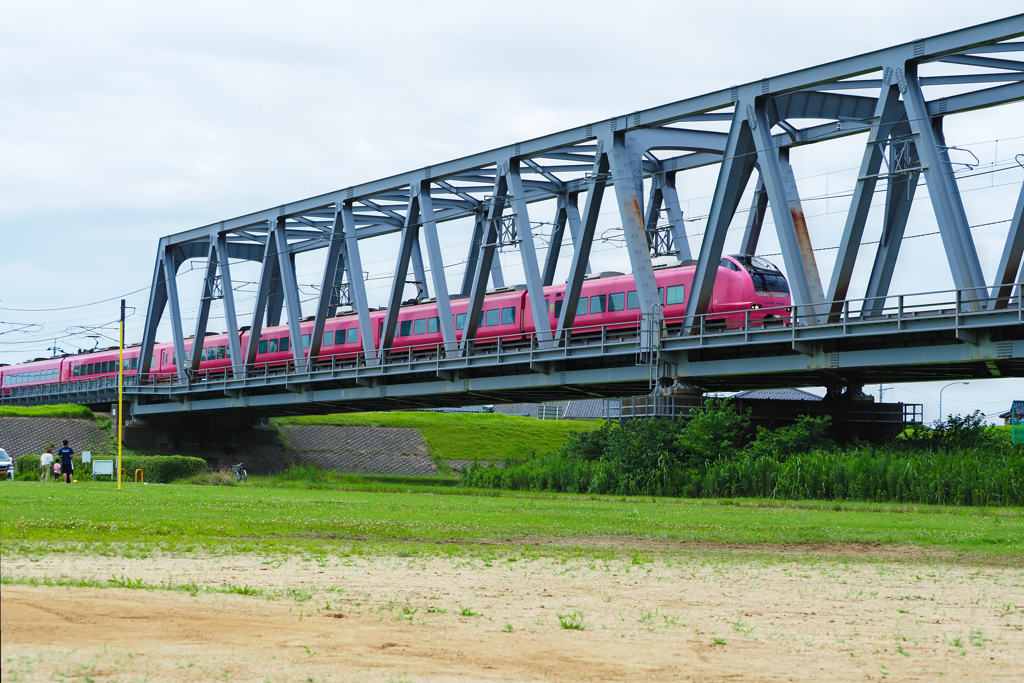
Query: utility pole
[[120, 397]]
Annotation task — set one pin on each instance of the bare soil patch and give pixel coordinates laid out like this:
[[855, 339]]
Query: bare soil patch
[[681, 616]]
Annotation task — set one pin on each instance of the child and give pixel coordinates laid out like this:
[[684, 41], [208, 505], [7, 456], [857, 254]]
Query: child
[[56, 470]]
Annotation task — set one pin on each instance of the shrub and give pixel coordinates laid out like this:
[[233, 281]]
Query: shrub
[[157, 469], [960, 463], [805, 435], [714, 432], [162, 469]]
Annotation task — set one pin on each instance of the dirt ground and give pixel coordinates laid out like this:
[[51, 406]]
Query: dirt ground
[[685, 615]]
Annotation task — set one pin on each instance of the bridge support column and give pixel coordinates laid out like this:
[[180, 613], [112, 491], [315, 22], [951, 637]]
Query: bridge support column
[[220, 440]]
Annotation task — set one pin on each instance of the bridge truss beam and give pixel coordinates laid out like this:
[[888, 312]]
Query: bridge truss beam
[[882, 95]]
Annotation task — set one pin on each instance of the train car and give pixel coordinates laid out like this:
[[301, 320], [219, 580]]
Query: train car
[[609, 301], [215, 356], [32, 374], [747, 289], [98, 364]]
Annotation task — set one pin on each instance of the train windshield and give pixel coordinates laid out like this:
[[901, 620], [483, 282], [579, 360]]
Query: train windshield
[[768, 280]]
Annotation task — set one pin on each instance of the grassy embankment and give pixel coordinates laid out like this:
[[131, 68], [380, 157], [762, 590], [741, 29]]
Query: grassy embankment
[[63, 410], [466, 436], [41, 518]]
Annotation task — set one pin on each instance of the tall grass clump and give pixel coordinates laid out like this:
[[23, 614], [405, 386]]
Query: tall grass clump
[[718, 454]]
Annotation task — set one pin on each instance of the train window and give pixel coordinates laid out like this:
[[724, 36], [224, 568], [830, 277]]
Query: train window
[[581, 306], [35, 377], [329, 338], [306, 338], [491, 317], [617, 302], [405, 328], [272, 345], [283, 344], [420, 326], [263, 346], [88, 369], [104, 370], [135, 363], [508, 316], [353, 335], [598, 303], [558, 308], [676, 294], [202, 354], [726, 263], [460, 321], [222, 351], [661, 295], [433, 325], [632, 300]]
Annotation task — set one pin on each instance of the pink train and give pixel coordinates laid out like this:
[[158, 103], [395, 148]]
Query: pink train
[[748, 289]]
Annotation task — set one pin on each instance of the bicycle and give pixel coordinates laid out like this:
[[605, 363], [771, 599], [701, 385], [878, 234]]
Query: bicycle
[[240, 474]]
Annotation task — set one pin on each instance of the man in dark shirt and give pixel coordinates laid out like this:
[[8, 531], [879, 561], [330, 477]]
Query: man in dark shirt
[[66, 466]]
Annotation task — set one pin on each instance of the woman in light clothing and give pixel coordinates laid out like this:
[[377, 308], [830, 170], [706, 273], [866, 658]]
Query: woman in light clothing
[[45, 462]]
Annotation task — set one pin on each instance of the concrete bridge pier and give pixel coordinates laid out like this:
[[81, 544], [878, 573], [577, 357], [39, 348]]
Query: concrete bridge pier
[[221, 440]]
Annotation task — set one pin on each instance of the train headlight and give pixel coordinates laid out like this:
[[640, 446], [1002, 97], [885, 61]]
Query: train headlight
[[755, 306]]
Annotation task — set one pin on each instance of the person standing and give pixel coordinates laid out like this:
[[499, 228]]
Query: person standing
[[67, 468], [45, 463]]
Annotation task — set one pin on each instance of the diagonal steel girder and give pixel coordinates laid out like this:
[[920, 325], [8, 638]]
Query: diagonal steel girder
[[888, 111]]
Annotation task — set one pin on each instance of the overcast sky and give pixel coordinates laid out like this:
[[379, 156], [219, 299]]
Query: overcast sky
[[124, 122]]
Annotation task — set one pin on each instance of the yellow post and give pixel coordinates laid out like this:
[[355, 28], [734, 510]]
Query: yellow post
[[120, 397]]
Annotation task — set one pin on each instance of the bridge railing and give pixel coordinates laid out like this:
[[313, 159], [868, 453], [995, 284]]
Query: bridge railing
[[955, 308]]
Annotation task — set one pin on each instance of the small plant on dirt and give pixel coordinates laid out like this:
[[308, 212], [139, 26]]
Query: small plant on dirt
[[719, 641], [740, 627], [436, 610], [468, 612], [956, 642], [507, 628], [407, 614], [977, 638], [573, 622], [309, 652]]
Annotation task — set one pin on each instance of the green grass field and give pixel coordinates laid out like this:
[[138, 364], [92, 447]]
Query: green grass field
[[263, 518], [64, 410], [466, 436]]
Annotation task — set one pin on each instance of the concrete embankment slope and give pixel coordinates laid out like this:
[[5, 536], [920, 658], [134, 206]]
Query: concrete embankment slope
[[31, 435], [362, 450]]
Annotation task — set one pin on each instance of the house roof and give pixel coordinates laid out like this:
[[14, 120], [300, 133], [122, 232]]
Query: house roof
[[779, 394], [1017, 408]]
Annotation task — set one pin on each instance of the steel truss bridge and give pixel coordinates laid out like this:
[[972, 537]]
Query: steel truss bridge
[[832, 339]]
